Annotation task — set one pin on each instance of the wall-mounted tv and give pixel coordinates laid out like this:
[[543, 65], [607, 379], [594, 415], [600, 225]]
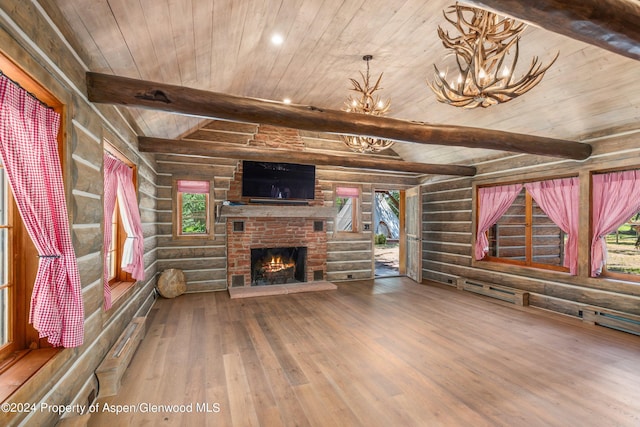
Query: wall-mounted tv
[[269, 180]]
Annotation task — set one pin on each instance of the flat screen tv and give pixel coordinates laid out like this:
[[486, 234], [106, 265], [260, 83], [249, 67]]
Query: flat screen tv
[[267, 180]]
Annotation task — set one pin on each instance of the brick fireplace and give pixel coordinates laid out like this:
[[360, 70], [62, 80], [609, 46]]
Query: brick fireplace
[[246, 233], [250, 226]]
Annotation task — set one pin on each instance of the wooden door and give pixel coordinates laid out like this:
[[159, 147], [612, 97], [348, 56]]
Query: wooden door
[[413, 227]]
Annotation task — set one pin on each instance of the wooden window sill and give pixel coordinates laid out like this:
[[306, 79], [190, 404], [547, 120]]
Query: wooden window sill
[[193, 237], [616, 275], [119, 289], [17, 371]]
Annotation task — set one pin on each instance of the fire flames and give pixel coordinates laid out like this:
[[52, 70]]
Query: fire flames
[[277, 263]]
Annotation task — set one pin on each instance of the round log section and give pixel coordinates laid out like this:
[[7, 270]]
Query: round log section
[[172, 283]]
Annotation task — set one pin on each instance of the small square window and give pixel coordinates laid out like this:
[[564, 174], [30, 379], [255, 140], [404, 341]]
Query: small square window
[[347, 201], [193, 208]]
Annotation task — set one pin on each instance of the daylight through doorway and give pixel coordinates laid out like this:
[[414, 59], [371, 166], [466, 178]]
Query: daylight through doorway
[[387, 233]]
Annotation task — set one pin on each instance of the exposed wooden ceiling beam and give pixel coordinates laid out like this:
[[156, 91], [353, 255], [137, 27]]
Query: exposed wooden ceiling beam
[[211, 149], [610, 24], [102, 88]]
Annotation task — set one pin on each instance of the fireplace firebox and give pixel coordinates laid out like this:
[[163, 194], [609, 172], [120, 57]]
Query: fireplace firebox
[[272, 266]]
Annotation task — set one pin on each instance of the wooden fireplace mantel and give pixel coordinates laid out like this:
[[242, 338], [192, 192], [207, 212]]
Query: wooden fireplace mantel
[[275, 211]]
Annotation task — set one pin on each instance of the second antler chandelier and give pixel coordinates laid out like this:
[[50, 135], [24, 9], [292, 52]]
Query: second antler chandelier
[[486, 54], [366, 103]]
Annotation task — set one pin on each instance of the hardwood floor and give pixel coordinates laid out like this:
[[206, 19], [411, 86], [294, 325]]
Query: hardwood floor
[[387, 352]]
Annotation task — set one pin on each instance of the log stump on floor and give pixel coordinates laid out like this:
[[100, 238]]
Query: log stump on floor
[[172, 283]]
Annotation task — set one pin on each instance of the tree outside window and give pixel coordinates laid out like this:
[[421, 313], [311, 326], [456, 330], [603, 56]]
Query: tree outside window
[[194, 213], [615, 224], [193, 209], [623, 248]]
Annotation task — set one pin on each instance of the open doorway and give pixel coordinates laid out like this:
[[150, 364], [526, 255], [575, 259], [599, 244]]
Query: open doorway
[[387, 233]]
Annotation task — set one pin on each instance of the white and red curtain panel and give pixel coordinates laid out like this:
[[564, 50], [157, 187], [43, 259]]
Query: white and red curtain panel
[[558, 198], [616, 197], [347, 192], [493, 203], [29, 152], [193, 187], [118, 183]]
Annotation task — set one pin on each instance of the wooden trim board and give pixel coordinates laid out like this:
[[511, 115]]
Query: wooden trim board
[[289, 288]]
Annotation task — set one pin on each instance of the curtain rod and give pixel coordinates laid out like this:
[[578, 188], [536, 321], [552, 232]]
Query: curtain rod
[[26, 91]]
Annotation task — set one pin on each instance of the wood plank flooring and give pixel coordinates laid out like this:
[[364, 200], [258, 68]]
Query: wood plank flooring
[[388, 352]]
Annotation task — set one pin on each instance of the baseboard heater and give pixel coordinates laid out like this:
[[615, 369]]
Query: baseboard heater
[[613, 319], [117, 360], [504, 293]]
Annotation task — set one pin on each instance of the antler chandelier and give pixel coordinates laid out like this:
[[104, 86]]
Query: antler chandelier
[[366, 104], [487, 42]]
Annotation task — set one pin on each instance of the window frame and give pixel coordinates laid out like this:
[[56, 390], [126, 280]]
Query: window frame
[[176, 210], [356, 210], [121, 280], [528, 242], [23, 255], [607, 274], [11, 287], [528, 263]]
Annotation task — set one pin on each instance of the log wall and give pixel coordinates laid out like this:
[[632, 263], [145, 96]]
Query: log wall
[[30, 38], [449, 221], [349, 255], [203, 261]]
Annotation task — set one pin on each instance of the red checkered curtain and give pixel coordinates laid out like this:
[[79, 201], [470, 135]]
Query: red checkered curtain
[[118, 183], [110, 194], [29, 152], [559, 199], [493, 202], [616, 197], [133, 251]]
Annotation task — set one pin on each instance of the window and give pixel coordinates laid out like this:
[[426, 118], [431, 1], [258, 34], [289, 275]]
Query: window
[[526, 235], [193, 209], [18, 267], [615, 245], [348, 203], [116, 248], [19, 257], [533, 224], [121, 243], [19, 263], [623, 250], [6, 270]]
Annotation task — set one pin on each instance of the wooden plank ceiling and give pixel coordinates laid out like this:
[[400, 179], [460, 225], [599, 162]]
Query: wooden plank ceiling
[[225, 46]]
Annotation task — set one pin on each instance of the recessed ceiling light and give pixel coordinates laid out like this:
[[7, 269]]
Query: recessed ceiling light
[[287, 101], [277, 39]]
